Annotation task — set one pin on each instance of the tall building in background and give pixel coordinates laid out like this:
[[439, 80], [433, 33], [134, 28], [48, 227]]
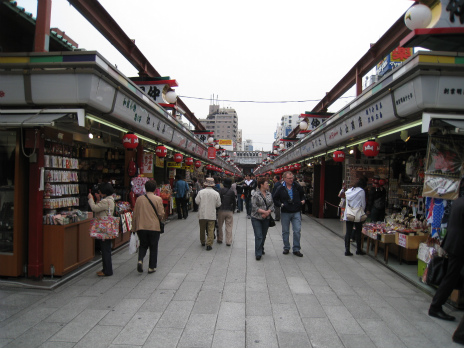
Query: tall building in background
[[248, 145], [223, 122], [286, 125]]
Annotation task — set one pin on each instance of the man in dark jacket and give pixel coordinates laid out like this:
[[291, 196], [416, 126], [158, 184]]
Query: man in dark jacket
[[290, 197], [250, 185], [277, 183], [453, 244], [239, 186], [226, 211]]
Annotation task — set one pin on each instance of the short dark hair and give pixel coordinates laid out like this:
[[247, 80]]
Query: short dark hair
[[150, 186], [227, 183], [195, 179], [106, 188], [277, 177], [261, 182]]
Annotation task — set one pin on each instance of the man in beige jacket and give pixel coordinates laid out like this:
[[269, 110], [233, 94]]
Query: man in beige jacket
[[145, 221], [208, 200]]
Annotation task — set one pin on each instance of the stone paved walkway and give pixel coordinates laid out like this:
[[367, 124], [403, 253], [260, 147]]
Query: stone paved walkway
[[225, 298]]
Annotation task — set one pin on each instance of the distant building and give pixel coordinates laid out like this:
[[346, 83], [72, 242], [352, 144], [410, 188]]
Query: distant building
[[248, 145], [286, 125], [223, 122]]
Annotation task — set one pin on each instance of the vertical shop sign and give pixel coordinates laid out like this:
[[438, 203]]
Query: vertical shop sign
[[159, 162], [211, 152], [147, 165]]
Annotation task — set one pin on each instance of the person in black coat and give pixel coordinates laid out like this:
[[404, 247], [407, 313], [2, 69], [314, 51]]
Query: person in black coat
[[290, 197], [453, 244]]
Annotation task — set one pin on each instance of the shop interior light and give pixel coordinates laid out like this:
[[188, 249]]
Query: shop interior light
[[402, 128], [351, 151], [90, 135]]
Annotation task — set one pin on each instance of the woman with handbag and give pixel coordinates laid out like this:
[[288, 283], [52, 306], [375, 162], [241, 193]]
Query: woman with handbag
[[146, 221], [355, 203], [104, 207], [262, 205]]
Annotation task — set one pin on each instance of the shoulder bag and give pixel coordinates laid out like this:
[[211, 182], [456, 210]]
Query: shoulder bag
[[355, 214], [161, 223], [105, 227], [271, 219]]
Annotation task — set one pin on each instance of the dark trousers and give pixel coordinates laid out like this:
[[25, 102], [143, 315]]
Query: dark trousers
[[149, 239], [195, 206], [248, 204], [182, 211], [349, 229], [449, 282], [260, 228], [105, 248]]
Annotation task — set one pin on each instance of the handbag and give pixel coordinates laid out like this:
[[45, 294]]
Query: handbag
[[271, 219], [134, 243], [355, 214], [436, 270], [105, 227], [161, 223]]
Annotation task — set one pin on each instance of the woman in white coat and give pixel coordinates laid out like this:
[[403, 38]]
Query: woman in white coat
[[355, 197]]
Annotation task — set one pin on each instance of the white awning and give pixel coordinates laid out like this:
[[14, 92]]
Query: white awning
[[29, 120], [427, 117]]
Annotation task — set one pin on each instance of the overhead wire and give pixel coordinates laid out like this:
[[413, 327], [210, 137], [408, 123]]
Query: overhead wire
[[258, 101]]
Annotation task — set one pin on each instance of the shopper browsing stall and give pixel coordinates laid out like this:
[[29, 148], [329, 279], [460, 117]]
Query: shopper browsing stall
[[355, 198]]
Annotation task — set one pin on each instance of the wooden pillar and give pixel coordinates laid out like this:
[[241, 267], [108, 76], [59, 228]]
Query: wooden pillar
[[42, 26], [322, 189], [359, 86], [35, 266]]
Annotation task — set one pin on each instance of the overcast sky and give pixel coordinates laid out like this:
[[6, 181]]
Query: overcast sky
[[253, 50]]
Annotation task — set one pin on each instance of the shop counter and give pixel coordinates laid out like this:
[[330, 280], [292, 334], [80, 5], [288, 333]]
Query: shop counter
[[66, 247]]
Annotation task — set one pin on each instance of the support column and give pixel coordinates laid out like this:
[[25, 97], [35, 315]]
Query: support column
[[322, 189], [359, 86], [42, 26], [35, 261]]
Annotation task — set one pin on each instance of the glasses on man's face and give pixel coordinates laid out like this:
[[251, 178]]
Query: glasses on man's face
[[289, 177]]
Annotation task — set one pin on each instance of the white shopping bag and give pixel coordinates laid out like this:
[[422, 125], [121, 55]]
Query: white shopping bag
[[134, 243]]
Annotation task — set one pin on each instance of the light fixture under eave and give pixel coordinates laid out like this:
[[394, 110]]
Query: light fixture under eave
[[90, 135]]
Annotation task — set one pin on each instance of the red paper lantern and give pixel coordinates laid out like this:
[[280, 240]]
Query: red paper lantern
[[286, 168], [338, 156], [371, 148], [178, 157], [130, 141], [197, 164], [161, 151], [208, 167], [189, 161], [297, 166], [291, 167]]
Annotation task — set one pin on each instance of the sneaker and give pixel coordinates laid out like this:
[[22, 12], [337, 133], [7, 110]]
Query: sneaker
[[286, 251], [297, 253], [209, 247], [140, 267], [248, 217], [151, 270]]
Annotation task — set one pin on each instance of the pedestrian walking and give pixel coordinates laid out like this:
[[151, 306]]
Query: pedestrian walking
[[290, 197], [181, 190], [262, 206], [226, 211], [146, 218], [208, 201]]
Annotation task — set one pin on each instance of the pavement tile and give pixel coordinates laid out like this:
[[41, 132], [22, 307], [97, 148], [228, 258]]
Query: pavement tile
[[79, 326], [99, 337], [380, 334], [342, 320], [260, 332], [35, 336], [199, 331], [188, 291], [208, 302], [163, 337], [69, 311], [286, 318], [136, 332], [230, 339], [321, 333], [176, 314], [123, 312], [30, 318], [357, 341], [234, 292], [231, 316], [308, 306], [158, 301], [293, 339], [258, 304]]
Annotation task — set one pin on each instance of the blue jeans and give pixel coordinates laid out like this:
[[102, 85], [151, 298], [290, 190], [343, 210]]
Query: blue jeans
[[295, 219], [260, 228], [239, 203]]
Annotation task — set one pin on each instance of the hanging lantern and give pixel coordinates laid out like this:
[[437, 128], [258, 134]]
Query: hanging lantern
[[208, 167], [418, 17], [371, 148], [178, 157], [297, 166], [130, 141], [285, 168], [303, 125], [291, 167], [161, 151], [188, 161], [338, 156], [197, 164], [281, 146]]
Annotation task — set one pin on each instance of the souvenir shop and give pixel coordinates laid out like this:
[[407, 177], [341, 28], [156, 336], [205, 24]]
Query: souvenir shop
[[90, 125], [404, 135]]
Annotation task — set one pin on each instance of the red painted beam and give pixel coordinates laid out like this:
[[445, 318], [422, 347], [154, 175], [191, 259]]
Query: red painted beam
[[389, 41], [96, 14], [42, 26]]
